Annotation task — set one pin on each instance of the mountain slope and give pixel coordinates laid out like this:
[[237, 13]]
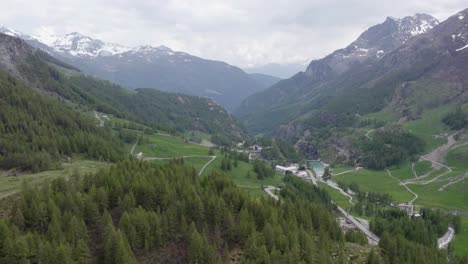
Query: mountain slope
[[265, 79], [149, 67], [37, 131], [285, 70], [344, 68], [168, 111]]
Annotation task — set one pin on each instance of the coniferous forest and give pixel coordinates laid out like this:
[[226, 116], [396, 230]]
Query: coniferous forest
[[143, 212], [138, 211], [36, 131]]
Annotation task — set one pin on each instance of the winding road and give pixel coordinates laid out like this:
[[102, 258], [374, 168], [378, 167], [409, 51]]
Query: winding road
[[404, 184], [371, 237]]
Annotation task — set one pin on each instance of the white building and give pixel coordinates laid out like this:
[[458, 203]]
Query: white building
[[284, 170]]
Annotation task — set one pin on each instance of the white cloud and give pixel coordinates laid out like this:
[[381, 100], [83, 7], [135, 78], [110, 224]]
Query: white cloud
[[241, 32]]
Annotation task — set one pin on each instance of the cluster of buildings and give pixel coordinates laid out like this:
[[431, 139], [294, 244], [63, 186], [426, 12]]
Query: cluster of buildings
[[292, 169]]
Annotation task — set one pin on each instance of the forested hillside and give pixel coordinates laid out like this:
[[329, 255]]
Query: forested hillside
[[37, 131], [381, 70], [139, 211], [143, 212], [162, 110]]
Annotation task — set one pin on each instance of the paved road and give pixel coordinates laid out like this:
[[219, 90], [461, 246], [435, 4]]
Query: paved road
[[446, 238], [269, 190], [373, 239]]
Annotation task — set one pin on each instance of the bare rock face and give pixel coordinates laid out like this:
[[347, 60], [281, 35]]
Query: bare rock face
[[307, 149], [13, 52]]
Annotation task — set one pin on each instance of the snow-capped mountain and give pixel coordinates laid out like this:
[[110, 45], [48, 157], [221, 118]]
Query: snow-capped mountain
[[148, 67], [351, 66], [372, 44], [75, 44]]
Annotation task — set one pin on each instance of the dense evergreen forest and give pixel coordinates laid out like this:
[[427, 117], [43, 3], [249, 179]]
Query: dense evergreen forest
[[144, 212], [37, 131], [457, 119], [387, 147], [139, 211]]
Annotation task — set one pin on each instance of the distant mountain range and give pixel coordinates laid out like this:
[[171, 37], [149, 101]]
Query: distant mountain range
[[403, 65], [46, 76], [149, 67], [285, 70]]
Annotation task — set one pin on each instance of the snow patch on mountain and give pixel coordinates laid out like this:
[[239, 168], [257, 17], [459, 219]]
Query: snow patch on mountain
[[462, 48]]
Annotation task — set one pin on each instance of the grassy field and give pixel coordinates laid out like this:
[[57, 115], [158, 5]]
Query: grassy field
[[197, 134], [12, 184], [173, 147], [169, 147], [402, 172], [339, 169], [430, 124], [240, 176], [422, 167], [376, 181], [461, 240], [336, 196]]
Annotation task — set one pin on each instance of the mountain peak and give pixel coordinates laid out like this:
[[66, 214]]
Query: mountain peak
[[372, 44]]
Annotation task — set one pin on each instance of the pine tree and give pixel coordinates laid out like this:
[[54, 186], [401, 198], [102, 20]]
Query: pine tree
[[82, 254]]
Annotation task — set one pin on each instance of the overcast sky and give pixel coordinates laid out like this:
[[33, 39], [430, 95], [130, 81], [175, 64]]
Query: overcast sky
[[240, 32]]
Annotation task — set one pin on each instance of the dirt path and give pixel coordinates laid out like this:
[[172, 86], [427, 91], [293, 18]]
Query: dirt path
[[453, 181], [414, 172], [269, 190], [133, 148], [203, 143], [404, 185], [449, 170], [206, 165], [367, 134], [101, 122], [336, 187], [437, 155], [186, 157]]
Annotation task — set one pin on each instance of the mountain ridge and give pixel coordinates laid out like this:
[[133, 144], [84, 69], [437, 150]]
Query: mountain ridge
[[149, 67], [347, 67]]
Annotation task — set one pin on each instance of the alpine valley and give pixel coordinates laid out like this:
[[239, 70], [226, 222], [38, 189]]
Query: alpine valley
[[115, 154], [150, 67]]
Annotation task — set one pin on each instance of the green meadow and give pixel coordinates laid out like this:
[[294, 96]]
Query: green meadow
[[12, 184]]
